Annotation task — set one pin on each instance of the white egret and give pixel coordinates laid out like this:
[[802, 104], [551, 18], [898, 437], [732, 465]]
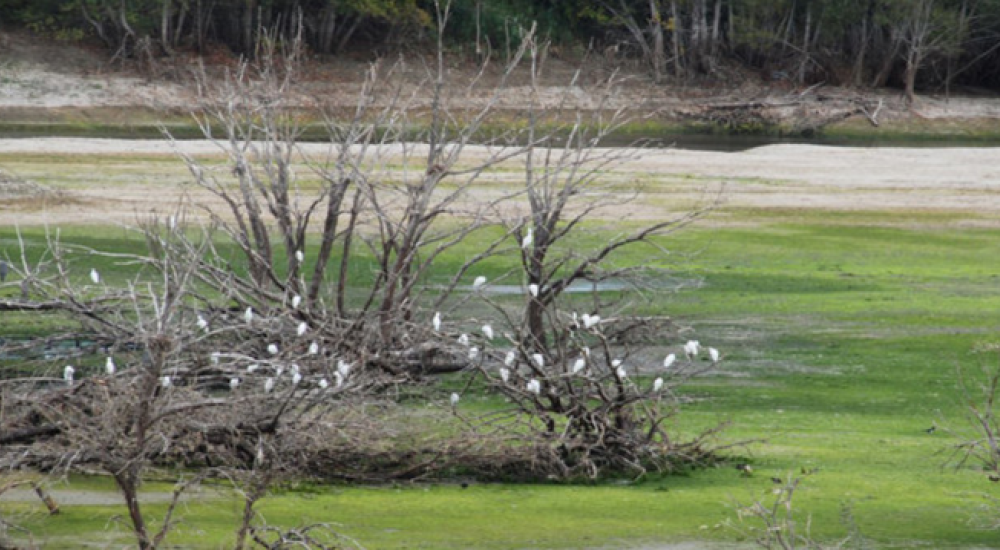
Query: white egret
[[268, 385], [95, 277], [253, 367], [616, 363], [454, 399], [437, 321], [296, 378], [109, 366], [202, 323], [299, 256], [165, 381], [510, 358], [528, 240], [272, 349], [504, 375], [343, 368], [323, 384], [248, 315], [590, 320], [303, 327], [691, 348], [657, 384], [296, 300], [713, 354], [463, 339], [340, 379], [473, 353], [279, 371], [68, 373], [538, 358], [313, 348], [488, 332], [579, 365], [533, 290], [620, 373], [534, 386], [234, 383], [479, 281], [669, 361]]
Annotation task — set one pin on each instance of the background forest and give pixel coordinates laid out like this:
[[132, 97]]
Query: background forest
[[926, 44]]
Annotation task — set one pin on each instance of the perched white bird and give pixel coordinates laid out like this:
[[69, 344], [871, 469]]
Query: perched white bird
[[248, 315], [339, 378], [534, 386], [296, 300], [579, 365], [488, 332], [590, 320], [215, 358], [454, 399], [272, 349], [323, 384], [510, 358], [669, 361], [691, 348], [479, 281], [436, 322], [463, 339], [202, 323], [303, 327], [296, 378], [109, 366], [586, 351], [165, 381], [95, 277], [279, 371], [253, 367], [538, 358], [68, 373], [343, 368], [268, 385], [528, 240], [620, 373], [533, 290], [313, 348], [713, 354], [473, 353], [616, 363], [504, 375], [657, 384], [299, 256], [295, 368], [234, 383]]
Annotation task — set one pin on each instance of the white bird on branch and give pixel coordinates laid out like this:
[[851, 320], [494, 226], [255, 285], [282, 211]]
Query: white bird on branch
[[248, 315], [436, 322], [589, 321], [534, 386], [620, 373], [488, 332], [296, 300], [657, 385], [691, 348], [713, 354], [533, 290], [303, 327], [202, 323], [539, 359], [343, 368], [272, 349], [528, 240], [504, 375], [95, 277], [234, 383], [473, 353], [299, 256], [165, 381], [510, 358], [268, 385], [454, 399], [296, 378], [323, 384], [339, 378], [579, 365], [252, 368], [479, 282], [313, 348], [68, 373], [463, 339], [616, 363], [109, 366], [669, 361]]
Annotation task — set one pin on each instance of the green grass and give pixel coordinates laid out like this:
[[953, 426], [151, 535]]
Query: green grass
[[841, 337]]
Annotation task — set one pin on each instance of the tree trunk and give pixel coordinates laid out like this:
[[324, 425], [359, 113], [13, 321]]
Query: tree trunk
[[658, 51]]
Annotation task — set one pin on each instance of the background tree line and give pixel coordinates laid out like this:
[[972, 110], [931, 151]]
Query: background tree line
[[931, 44]]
